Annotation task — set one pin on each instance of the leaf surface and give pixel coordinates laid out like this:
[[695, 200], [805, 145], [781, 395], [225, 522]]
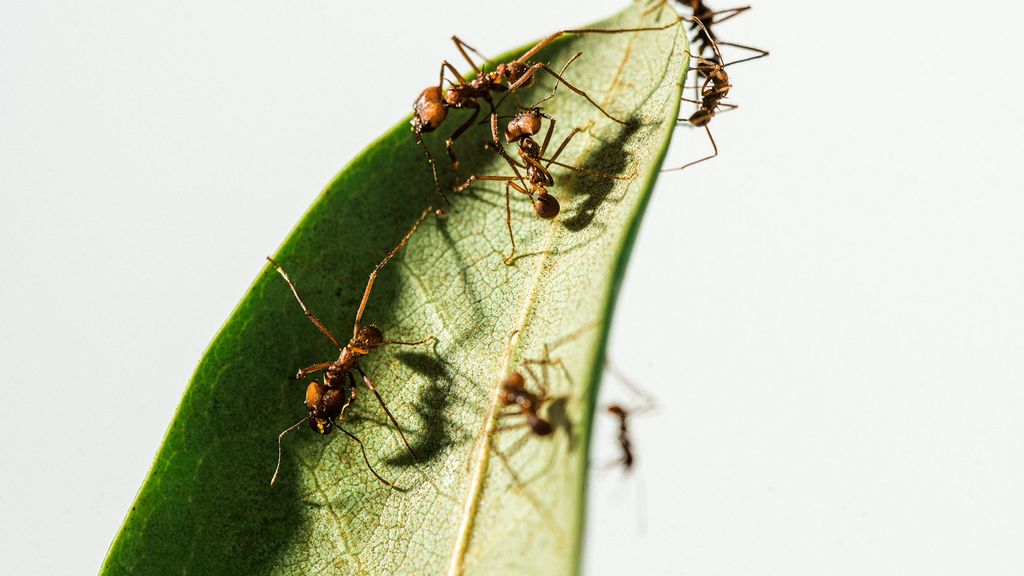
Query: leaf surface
[[482, 499]]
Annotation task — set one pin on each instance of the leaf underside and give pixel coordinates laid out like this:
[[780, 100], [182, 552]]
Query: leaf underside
[[481, 499]]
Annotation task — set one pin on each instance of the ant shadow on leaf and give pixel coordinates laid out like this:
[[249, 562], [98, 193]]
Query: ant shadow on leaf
[[609, 156]]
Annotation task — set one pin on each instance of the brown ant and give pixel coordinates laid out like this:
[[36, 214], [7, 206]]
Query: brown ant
[[624, 442], [520, 130], [623, 414], [715, 88], [326, 403], [513, 394], [431, 107]]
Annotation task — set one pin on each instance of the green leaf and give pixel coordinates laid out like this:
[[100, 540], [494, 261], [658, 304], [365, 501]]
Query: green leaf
[[480, 500]]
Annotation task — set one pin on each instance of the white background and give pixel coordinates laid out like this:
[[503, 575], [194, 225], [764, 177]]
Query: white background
[[829, 313]]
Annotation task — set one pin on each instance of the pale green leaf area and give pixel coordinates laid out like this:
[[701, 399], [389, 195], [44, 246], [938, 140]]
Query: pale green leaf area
[[481, 499]]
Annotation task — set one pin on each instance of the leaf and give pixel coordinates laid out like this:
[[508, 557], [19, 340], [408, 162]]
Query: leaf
[[479, 500]]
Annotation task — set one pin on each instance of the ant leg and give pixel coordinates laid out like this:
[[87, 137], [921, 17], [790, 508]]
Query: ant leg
[[760, 52], [541, 66], [543, 43], [280, 449], [461, 47], [365, 459], [687, 165], [508, 217], [562, 146], [310, 369], [433, 166], [553, 90], [645, 396], [448, 65], [309, 314], [373, 275], [369, 384], [450, 143], [474, 178], [732, 13]]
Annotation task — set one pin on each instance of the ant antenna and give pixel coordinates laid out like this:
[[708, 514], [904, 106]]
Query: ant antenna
[[363, 450], [280, 449]]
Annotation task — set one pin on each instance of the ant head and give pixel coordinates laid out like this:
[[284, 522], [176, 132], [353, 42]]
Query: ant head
[[540, 426], [524, 124], [617, 410], [324, 405], [546, 206], [429, 111], [369, 337]]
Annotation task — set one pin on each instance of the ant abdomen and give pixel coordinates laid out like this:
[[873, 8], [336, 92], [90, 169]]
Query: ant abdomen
[[546, 206], [701, 117], [538, 425]]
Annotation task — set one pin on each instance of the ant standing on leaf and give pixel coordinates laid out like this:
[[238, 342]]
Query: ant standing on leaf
[[431, 107], [520, 130], [327, 403]]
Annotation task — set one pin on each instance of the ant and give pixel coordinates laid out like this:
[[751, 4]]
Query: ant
[[513, 394], [715, 88], [624, 441], [623, 414], [326, 403], [431, 107], [520, 130]]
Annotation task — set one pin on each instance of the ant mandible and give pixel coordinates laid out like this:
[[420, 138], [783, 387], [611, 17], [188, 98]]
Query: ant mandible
[[327, 403], [431, 107]]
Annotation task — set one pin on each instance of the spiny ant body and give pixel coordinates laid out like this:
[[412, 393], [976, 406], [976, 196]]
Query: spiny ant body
[[327, 402], [431, 107]]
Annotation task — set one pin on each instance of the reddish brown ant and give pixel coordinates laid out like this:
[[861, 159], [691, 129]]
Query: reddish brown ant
[[623, 415], [520, 130], [431, 107], [715, 88], [326, 403], [513, 394]]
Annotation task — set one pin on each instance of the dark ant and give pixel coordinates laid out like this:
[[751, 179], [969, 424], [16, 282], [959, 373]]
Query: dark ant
[[431, 107], [623, 414], [326, 403], [624, 442], [520, 130]]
